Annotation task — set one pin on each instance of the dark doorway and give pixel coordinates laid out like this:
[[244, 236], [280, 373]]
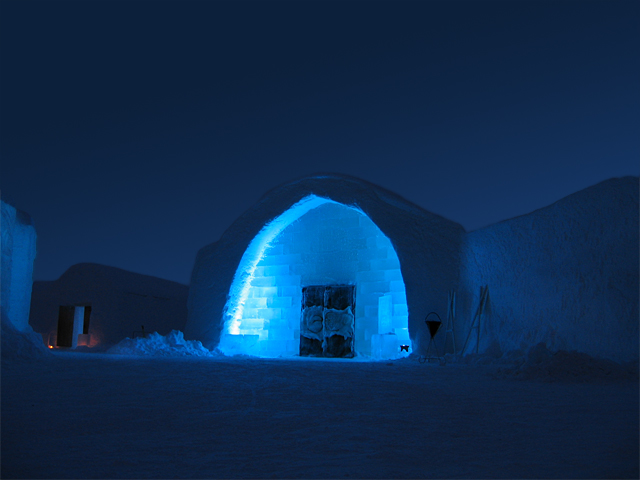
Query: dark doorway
[[328, 321], [87, 318], [73, 321], [66, 315]]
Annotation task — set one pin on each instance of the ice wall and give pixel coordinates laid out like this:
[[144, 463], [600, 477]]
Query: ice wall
[[18, 255], [329, 244], [565, 275], [19, 342]]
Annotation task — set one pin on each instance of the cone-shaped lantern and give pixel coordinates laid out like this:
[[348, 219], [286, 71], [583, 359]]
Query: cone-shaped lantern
[[433, 325]]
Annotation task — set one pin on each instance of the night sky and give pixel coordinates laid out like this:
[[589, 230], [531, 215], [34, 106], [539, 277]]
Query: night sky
[[135, 133]]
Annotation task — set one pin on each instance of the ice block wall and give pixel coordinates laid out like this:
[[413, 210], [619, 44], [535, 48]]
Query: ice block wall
[[329, 244]]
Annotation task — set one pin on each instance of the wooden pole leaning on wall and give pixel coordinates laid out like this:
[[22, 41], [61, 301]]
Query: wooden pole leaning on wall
[[451, 315], [475, 324]]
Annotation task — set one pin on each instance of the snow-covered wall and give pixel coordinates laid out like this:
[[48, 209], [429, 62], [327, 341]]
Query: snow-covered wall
[[565, 275], [18, 254], [19, 342], [427, 248]]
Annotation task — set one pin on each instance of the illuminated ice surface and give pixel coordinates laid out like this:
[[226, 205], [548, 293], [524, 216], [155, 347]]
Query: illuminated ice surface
[[316, 242]]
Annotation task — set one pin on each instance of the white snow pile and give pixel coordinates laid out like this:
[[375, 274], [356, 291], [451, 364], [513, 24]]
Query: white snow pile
[[171, 345], [20, 345], [541, 364]]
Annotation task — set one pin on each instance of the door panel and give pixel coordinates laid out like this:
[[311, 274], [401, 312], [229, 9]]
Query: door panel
[[328, 321], [312, 322], [339, 297], [339, 320]]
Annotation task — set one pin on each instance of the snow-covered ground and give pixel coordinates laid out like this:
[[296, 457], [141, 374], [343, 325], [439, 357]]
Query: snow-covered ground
[[96, 415]]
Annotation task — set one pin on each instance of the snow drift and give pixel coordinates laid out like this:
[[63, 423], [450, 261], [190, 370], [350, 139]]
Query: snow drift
[[539, 363], [171, 345], [19, 345]]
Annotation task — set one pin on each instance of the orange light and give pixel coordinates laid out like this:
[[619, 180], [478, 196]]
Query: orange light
[[50, 346]]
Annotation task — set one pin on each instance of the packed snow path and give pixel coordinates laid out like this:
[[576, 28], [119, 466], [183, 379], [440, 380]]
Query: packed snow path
[[80, 415]]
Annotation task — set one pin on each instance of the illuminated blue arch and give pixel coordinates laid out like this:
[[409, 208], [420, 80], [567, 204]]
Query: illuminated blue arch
[[315, 241]]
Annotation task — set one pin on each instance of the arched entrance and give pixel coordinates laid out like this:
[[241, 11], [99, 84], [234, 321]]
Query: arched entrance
[[318, 244]]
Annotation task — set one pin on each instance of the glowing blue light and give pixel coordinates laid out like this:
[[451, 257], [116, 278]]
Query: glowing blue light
[[254, 253]]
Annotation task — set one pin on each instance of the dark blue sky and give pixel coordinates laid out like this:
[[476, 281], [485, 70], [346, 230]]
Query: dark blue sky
[[135, 133]]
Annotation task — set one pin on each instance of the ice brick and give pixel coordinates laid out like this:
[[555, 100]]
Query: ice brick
[[400, 309], [278, 302], [385, 313], [373, 276], [263, 281]]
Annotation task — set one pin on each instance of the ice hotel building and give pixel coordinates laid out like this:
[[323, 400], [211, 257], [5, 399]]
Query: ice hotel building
[[334, 266], [325, 266]]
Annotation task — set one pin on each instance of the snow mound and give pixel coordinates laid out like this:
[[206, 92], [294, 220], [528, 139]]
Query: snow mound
[[171, 345], [541, 364], [20, 345]]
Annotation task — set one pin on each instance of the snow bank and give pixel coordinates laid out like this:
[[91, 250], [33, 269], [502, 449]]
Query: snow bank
[[20, 345], [565, 275], [539, 363], [171, 345]]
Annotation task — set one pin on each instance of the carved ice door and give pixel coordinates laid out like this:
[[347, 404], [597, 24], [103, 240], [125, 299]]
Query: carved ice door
[[328, 321]]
